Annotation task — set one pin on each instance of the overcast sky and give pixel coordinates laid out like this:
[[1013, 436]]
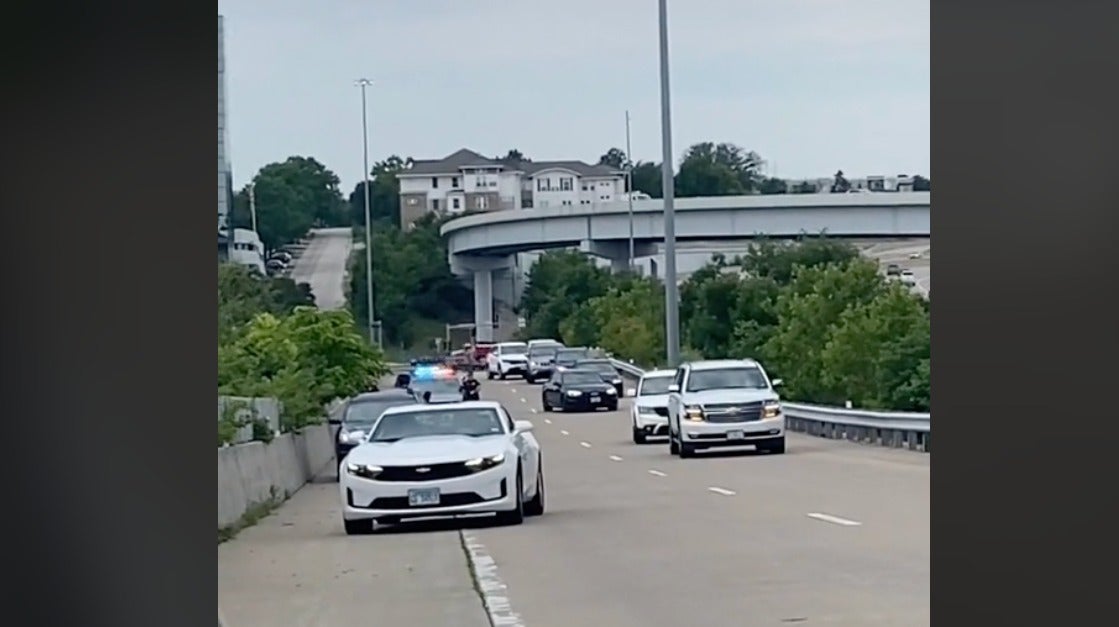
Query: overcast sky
[[811, 85]]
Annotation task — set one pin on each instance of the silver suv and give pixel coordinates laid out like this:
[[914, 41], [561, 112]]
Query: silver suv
[[724, 403]]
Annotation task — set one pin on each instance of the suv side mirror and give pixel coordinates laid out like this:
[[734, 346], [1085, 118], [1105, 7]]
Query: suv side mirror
[[777, 383], [673, 388]]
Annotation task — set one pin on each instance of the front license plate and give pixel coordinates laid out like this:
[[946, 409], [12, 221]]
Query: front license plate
[[596, 398], [735, 435], [422, 497]]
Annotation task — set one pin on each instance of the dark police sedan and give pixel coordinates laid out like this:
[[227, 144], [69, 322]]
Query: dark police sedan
[[578, 390], [357, 417], [606, 370]]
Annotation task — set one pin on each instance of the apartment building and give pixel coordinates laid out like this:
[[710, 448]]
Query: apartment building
[[467, 181]]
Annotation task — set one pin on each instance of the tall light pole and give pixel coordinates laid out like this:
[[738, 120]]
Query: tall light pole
[[629, 188], [363, 83], [252, 204], [671, 298]]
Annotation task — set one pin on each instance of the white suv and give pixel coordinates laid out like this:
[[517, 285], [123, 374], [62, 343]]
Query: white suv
[[650, 404], [724, 403], [507, 358]]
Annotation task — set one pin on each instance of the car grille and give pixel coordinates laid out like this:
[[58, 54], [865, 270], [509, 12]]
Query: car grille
[[661, 411], [432, 472], [733, 412], [445, 500]]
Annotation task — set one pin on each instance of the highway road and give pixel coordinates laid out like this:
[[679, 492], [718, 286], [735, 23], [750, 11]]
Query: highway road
[[831, 533], [323, 266]]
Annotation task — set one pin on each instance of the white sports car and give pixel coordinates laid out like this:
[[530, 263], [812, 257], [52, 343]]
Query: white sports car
[[443, 460]]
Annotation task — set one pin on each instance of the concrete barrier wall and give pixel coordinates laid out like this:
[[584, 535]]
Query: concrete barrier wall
[[252, 472]]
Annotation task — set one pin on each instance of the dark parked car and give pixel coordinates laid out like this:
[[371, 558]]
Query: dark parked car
[[357, 417], [578, 390], [568, 357], [606, 370], [893, 269]]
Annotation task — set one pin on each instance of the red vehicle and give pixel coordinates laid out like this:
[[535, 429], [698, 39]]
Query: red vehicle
[[473, 356]]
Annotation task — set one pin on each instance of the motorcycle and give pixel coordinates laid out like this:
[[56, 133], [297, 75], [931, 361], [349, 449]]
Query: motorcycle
[[469, 391]]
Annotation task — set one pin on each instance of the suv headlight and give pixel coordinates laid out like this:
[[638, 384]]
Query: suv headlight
[[364, 470], [693, 413], [771, 409], [483, 463]]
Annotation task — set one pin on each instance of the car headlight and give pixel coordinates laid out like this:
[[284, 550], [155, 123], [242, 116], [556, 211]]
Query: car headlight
[[364, 470], [533, 364], [611, 391], [693, 413], [574, 393], [772, 409], [483, 463], [646, 411]]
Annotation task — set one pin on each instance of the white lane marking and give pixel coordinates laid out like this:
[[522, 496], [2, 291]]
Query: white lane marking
[[533, 410], [585, 444], [834, 519], [657, 473], [547, 421], [523, 400], [615, 458], [490, 586], [564, 432], [723, 491]]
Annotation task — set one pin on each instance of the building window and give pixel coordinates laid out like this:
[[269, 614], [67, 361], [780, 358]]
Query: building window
[[493, 183], [455, 203], [435, 182], [567, 184], [567, 203], [480, 202], [454, 182], [435, 204], [541, 184], [543, 203]]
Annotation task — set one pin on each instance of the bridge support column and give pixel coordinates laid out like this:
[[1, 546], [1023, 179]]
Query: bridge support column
[[618, 251], [481, 270], [483, 305]]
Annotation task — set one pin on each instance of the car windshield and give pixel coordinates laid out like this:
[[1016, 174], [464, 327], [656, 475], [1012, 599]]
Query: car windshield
[[542, 351], [436, 386], [726, 378], [363, 414], [473, 422], [601, 367], [581, 378], [514, 348], [655, 385], [572, 354]]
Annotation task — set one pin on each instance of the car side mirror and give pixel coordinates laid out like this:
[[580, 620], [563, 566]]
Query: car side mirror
[[333, 421], [630, 393], [673, 388], [522, 426], [777, 383]]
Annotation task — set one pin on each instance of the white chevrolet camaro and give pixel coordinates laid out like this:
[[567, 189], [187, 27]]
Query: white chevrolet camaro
[[443, 460]]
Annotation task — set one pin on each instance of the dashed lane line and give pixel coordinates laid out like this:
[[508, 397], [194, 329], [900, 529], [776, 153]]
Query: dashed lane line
[[615, 458], [723, 491], [657, 473], [835, 520]]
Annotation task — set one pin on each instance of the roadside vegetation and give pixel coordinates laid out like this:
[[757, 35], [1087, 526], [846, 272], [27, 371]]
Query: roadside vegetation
[[814, 312]]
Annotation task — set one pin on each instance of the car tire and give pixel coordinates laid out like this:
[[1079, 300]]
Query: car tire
[[673, 445], [686, 450], [613, 407], [639, 436], [516, 515], [358, 527], [489, 374], [530, 379], [544, 403], [535, 505], [775, 446], [501, 374]]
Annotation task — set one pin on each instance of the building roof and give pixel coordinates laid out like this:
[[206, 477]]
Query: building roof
[[466, 158]]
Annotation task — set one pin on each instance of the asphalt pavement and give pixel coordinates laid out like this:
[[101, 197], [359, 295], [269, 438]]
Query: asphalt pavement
[[323, 266], [831, 533]]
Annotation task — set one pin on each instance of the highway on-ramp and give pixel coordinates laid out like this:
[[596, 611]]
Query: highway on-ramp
[[831, 533], [323, 266]]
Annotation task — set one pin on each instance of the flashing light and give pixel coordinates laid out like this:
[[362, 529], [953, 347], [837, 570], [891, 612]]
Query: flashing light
[[429, 373]]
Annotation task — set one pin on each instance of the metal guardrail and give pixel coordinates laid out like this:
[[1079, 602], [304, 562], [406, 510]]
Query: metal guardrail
[[885, 428]]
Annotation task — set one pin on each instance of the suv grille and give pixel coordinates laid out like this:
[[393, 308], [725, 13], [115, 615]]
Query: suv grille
[[733, 412], [434, 472]]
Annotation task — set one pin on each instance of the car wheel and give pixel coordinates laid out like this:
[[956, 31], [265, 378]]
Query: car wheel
[[544, 402], [612, 407], [686, 450], [775, 446], [489, 374], [535, 505], [673, 446], [638, 436], [516, 515], [530, 379], [358, 527], [502, 375]]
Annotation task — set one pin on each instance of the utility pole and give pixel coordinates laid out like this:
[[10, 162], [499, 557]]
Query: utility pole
[[671, 298], [629, 188], [373, 324], [252, 204]]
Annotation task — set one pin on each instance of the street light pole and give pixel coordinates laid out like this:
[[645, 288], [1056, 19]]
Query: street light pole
[[252, 205], [629, 188], [371, 317], [671, 298]]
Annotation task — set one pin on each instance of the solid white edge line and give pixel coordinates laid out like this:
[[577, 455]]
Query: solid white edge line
[[490, 586], [723, 491], [836, 520], [615, 458], [585, 444], [657, 473]]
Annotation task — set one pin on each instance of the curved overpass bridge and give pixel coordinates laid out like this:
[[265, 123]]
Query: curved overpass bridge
[[483, 243]]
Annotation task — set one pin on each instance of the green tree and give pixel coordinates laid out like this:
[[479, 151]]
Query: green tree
[[291, 197], [773, 186], [242, 294], [777, 260], [384, 195], [710, 169], [615, 158], [557, 283], [513, 156], [921, 184], [647, 178]]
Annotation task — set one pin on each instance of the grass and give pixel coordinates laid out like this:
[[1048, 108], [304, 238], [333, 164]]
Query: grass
[[254, 514]]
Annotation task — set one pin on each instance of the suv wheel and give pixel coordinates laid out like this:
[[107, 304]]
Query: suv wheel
[[638, 436], [673, 445]]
